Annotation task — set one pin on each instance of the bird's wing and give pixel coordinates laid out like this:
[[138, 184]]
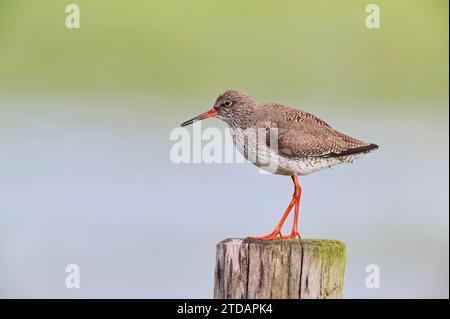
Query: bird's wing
[[301, 134], [294, 143]]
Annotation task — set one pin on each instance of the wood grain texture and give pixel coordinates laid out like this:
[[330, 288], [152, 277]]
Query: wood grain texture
[[286, 269]]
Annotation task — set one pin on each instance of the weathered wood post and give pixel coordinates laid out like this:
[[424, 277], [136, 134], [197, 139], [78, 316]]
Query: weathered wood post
[[290, 269]]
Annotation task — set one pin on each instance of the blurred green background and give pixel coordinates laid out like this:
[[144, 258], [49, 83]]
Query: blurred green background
[[86, 115], [191, 48]]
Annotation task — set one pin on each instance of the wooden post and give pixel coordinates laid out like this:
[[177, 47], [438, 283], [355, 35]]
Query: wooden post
[[287, 269]]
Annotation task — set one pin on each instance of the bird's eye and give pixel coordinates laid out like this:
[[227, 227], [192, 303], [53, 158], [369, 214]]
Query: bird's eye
[[227, 103]]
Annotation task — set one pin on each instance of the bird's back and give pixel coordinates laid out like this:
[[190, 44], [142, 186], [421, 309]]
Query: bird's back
[[301, 134]]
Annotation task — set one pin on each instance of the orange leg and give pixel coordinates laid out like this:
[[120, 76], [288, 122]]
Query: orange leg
[[294, 232], [294, 202]]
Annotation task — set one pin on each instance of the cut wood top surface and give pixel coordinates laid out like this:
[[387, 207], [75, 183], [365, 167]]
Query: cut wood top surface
[[325, 243]]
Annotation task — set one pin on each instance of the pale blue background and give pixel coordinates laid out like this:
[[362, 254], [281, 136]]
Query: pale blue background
[[85, 182]]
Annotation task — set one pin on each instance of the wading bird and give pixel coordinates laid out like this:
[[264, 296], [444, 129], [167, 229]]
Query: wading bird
[[305, 143]]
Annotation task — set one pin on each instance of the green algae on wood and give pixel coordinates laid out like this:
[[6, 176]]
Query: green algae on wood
[[288, 269]]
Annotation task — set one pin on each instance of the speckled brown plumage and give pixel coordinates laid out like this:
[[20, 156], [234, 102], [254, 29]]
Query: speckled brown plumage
[[301, 135], [304, 143]]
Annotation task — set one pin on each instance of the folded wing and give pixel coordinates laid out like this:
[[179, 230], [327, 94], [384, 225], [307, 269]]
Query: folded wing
[[301, 134]]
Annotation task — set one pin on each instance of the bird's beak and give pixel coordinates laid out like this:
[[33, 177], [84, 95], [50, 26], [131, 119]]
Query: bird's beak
[[202, 116]]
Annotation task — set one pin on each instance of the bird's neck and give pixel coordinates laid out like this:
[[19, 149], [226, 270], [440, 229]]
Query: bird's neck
[[240, 118]]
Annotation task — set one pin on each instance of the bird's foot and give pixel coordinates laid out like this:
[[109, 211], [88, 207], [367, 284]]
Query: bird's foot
[[293, 235], [273, 235]]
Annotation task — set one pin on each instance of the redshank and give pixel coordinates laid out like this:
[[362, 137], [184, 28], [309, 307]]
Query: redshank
[[305, 143]]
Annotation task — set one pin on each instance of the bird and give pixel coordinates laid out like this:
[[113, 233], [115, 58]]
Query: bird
[[284, 141]]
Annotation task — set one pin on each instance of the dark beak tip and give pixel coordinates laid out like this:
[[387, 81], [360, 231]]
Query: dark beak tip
[[186, 123]]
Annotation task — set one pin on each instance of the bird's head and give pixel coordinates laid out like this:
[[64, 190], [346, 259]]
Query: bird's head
[[227, 105]]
